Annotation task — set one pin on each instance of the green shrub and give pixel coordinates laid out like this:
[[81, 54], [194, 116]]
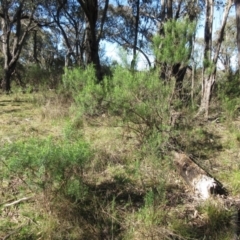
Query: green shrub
[[36, 78], [228, 93], [177, 34], [87, 94], [54, 167], [217, 217], [140, 99]]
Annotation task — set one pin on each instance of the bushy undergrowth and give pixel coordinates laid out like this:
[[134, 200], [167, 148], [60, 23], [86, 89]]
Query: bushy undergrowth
[[141, 101], [83, 87], [140, 98], [228, 92], [126, 188], [56, 167]]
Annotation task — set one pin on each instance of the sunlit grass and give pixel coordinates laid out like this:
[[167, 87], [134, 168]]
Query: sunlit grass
[[131, 188]]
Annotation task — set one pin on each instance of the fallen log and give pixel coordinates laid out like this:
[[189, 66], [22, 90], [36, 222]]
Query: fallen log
[[203, 184]]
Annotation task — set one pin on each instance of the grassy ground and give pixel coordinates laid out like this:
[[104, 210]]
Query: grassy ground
[[128, 193]]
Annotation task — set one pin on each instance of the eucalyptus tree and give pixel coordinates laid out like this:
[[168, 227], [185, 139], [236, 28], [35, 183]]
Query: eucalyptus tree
[[95, 12], [237, 7], [42, 49], [131, 25], [68, 17], [210, 59], [228, 50], [18, 18]]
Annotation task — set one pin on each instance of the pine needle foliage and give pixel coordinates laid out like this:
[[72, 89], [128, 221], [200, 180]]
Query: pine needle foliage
[[173, 46]]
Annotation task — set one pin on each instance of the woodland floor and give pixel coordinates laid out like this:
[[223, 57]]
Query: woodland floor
[[215, 145]]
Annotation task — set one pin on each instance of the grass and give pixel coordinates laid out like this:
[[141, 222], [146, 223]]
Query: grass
[[128, 190]]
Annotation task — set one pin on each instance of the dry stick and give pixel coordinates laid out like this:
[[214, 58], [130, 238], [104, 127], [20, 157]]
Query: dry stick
[[17, 201], [6, 201]]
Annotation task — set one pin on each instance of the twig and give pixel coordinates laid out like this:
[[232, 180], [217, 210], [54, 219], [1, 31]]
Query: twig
[[7, 201], [17, 201]]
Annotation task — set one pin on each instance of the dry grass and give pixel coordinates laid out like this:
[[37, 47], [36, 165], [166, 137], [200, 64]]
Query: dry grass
[[119, 178], [21, 118]]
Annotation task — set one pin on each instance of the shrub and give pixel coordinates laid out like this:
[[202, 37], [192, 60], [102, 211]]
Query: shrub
[[228, 93], [87, 94], [217, 217], [140, 99], [54, 167], [177, 34]]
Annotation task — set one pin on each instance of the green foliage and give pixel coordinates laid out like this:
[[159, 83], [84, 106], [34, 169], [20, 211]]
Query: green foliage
[[54, 167], [140, 99], [182, 228], [173, 47], [234, 182], [228, 92], [209, 66], [35, 77], [150, 213], [87, 94]]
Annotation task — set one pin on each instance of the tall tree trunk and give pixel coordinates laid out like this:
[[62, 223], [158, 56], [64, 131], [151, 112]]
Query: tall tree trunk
[[210, 64], [92, 48], [237, 7], [6, 81], [178, 72], [35, 55], [11, 48], [5, 84], [133, 63], [169, 9], [90, 9]]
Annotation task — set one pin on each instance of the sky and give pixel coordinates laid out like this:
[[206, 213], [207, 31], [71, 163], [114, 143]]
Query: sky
[[112, 50]]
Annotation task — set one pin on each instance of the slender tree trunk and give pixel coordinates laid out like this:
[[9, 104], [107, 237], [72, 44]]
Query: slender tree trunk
[[237, 7], [207, 89], [133, 63], [207, 80], [210, 64], [169, 9], [35, 57]]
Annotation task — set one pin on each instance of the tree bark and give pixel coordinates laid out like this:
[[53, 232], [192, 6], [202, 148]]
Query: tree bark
[[12, 45], [209, 63], [90, 9], [202, 183], [133, 63], [237, 8]]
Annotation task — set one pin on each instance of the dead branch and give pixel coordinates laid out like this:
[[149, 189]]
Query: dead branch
[[17, 201], [197, 178]]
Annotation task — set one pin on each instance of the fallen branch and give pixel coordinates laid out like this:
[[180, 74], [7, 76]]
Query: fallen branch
[[202, 182], [17, 201]]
